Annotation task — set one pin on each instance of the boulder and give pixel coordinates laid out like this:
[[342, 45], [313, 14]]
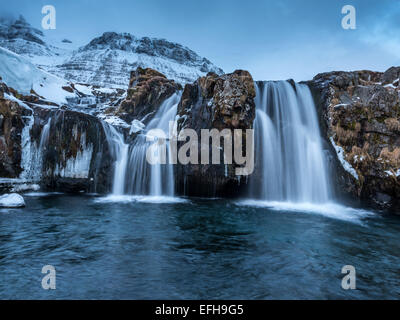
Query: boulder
[[12, 200]]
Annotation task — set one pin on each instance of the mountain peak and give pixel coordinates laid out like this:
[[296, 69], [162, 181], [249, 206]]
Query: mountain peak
[[20, 29], [153, 47]]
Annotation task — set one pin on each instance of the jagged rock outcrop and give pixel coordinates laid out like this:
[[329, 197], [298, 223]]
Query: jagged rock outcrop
[[148, 88], [360, 113], [215, 102]]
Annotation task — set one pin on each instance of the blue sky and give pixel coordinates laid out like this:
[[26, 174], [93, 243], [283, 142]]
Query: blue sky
[[272, 39]]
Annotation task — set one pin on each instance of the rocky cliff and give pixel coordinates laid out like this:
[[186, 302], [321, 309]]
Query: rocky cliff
[[12, 122], [41, 143], [360, 115], [215, 102]]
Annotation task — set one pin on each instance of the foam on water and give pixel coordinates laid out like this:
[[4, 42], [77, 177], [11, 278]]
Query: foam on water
[[329, 209], [41, 194], [137, 198]]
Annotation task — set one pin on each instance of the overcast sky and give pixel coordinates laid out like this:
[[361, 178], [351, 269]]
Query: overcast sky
[[274, 40]]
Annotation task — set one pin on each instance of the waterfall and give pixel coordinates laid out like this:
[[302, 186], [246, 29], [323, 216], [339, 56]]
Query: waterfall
[[37, 163], [290, 163], [32, 154], [119, 152], [27, 147], [132, 173], [155, 179]]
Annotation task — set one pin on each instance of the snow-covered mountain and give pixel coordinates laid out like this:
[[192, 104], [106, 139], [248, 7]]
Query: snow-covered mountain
[[107, 60], [20, 37]]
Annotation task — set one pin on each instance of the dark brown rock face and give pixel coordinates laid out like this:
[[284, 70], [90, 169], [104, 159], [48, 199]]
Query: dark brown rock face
[[12, 121], [148, 88], [215, 102], [361, 118]]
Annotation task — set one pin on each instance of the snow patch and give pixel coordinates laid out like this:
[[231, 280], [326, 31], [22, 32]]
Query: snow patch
[[25, 187], [18, 73], [390, 173], [346, 166], [136, 126]]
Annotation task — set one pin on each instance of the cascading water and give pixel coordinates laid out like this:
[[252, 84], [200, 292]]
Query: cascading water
[[155, 179], [32, 161], [38, 162], [290, 164], [132, 173], [119, 151]]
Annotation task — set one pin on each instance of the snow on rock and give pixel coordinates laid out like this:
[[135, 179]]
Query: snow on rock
[[79, 166], [17, 72], [346, 166], [391, 174], [86, 90], [113, 120], [136, 126], [26, 187], [12, 200]]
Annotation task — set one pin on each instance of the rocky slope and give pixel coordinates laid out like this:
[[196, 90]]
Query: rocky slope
[[360, 112]]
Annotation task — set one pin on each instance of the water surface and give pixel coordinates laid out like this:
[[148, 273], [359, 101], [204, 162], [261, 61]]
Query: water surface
[[193, 249]]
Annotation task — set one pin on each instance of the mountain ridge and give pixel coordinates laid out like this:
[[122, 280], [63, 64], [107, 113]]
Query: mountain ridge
[[107, 59]]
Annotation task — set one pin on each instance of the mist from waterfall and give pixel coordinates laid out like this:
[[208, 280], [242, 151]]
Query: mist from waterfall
[[289, 159]]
